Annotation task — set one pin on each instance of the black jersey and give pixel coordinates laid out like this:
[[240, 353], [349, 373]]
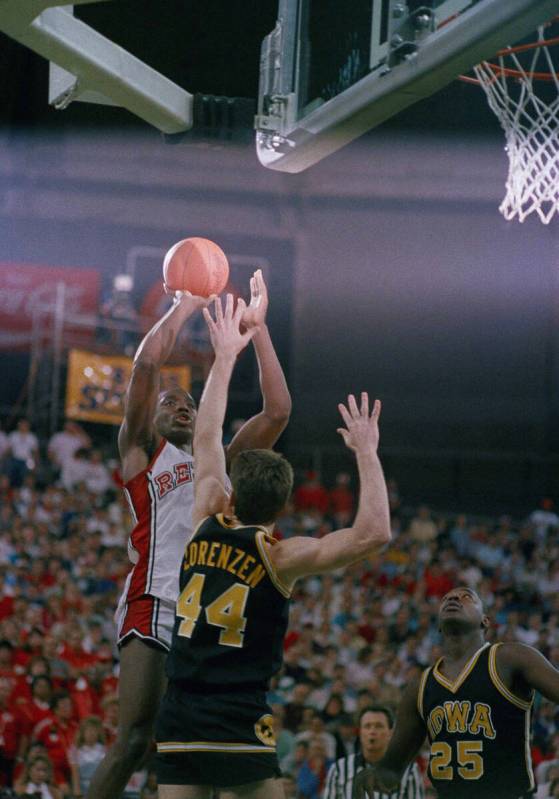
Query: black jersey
[[232, 611], [478, 730]]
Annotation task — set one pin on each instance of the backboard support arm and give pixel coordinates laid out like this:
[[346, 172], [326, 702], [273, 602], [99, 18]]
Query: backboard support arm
[[90, 67]]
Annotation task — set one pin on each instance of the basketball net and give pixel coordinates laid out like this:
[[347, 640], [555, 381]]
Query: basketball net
[[522, 88]]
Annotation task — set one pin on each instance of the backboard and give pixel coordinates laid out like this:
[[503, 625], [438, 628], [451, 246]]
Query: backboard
[[330, 72]]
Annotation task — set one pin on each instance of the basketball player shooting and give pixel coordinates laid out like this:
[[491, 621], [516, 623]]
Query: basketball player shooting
[[214, 728], [155, 444], [474, 707]]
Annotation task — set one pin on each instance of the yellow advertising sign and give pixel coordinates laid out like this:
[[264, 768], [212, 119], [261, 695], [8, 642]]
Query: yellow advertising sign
[[96, 385]]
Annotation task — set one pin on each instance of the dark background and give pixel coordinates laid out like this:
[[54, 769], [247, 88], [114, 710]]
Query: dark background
[[211, 48], [424, 297]]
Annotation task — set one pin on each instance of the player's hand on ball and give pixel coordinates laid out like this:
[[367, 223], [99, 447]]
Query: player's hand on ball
[[255, 313], [361, 427], [226, 336], [187, 296]]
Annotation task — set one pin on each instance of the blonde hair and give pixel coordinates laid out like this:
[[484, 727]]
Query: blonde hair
[[90, 721]]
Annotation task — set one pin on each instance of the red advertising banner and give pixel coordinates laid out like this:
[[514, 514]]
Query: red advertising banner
[[28, 295]]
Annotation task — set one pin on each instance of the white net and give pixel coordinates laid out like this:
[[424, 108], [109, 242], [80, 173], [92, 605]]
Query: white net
[[522, 87]]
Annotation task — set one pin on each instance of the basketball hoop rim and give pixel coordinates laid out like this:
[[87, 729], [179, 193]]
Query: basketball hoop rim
[[508, 72]]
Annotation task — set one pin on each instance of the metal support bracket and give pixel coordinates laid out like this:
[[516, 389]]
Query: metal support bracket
[[90, 67]]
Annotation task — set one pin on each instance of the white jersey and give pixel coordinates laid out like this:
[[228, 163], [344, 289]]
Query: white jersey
[[161, 499]]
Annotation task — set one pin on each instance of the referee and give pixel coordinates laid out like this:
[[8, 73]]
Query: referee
[[375, 729]]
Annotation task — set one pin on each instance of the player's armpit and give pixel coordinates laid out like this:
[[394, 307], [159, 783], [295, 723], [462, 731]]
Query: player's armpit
[[260, 432], [530, 669], [210, 497]]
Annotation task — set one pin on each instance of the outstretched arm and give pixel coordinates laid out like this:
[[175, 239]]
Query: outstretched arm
[[141, 398], [264, 429], [227, 340], [408, 736], [297, 557]]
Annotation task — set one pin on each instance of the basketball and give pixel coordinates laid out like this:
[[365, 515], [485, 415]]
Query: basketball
[[196, 265]]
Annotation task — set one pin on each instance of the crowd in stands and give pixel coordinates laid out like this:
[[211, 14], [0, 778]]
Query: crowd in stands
[[354, 639]]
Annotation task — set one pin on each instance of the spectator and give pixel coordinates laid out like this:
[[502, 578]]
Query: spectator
[[341, 500], [333, 710], [4, 444], [97, 477], [37, 780], [12, 734], [316, 731], [460, 535], [437, 582], [63, 445], [544, 520], [346, 743], [312, 774], [57, 734], [75, 469], [37, 708], [295, 708], [23, 452], [285, 740], [311, 495], [88, 752], [294, 761], [422, 527]]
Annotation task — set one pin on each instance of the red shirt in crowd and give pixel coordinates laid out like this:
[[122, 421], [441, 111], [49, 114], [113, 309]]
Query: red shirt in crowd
[[58, 738], [341, 500], [311, 495], [11, 731], [437, 583]]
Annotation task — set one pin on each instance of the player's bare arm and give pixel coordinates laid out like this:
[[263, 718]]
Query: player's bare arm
[[370, 532], [137, 439], [407, 739], [523, 669], [264, 429], [210, 495]]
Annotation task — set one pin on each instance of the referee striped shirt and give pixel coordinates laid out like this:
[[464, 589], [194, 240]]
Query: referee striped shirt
[[339, 781]]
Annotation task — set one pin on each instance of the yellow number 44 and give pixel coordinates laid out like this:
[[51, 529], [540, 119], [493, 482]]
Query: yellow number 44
[[227, 611]]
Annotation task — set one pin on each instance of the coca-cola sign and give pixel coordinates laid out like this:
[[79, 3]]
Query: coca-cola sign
[[28, 295]]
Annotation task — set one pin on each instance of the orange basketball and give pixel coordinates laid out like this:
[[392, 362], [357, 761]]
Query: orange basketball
[[196, 265]]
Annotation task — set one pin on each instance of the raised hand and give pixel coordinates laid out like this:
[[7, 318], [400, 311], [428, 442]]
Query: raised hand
[[254, 315], [225, 333], [361, 428], [187, 297]]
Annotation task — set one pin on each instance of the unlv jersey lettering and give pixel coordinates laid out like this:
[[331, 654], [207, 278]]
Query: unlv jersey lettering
[[161, 498], [168, 481]]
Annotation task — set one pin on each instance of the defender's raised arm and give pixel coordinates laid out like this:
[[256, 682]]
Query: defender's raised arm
[[263, 430], [370, 531], [227, 340]]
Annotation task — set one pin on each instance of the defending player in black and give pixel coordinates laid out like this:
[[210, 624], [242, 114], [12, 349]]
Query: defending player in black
[[474, 706], [214, 730]]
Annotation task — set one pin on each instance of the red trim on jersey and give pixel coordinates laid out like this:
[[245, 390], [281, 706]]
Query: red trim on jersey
[[129, 485], [138, 491], [140, 621]]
